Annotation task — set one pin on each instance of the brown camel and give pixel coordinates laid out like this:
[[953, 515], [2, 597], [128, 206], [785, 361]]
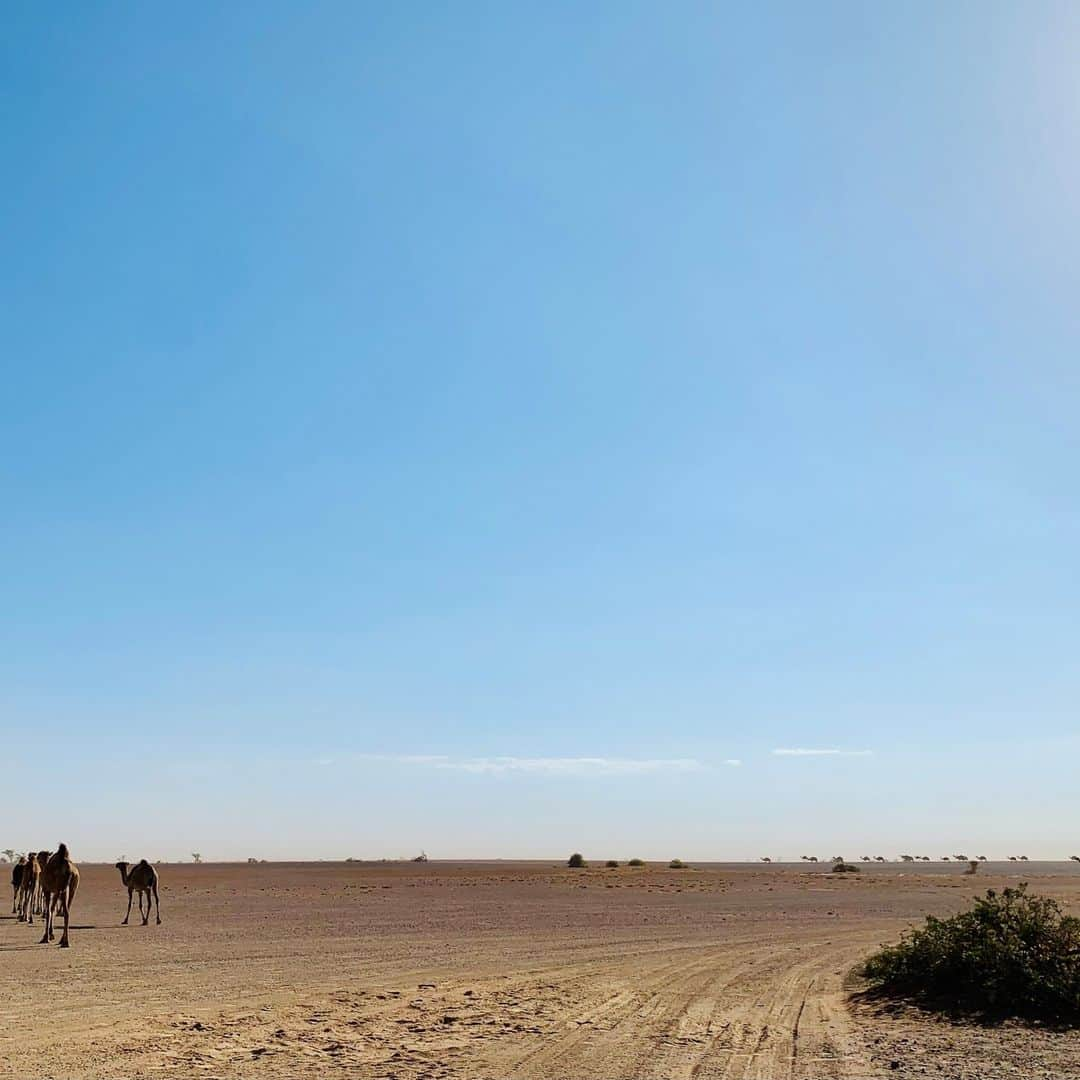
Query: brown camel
[[59, 882], [28, 887], [141, 878], [16, 883]]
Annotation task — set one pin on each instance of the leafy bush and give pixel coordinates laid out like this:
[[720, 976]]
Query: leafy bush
[[1011, 955], [636, 862], [576, 861], [611, 864], [676, 864]]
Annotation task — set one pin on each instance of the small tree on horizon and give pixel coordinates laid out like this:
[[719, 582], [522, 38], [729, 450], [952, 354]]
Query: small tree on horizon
[[576, 861]]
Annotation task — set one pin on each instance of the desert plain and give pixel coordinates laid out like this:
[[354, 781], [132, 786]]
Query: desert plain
[[449, 970]]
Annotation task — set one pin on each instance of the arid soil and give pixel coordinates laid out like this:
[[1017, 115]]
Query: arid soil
[[495, 970]]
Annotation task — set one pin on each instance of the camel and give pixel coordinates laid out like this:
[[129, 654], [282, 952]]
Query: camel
[[141, 878], [1074, 858], [59, 882], [16, 883], [28, 887]]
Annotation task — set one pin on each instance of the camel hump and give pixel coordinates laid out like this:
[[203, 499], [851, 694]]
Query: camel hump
[[143, 862]]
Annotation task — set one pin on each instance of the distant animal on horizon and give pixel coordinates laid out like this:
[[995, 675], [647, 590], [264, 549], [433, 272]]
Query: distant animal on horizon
[[765, 858], [59, 883], [1074, 858], [143, 879]]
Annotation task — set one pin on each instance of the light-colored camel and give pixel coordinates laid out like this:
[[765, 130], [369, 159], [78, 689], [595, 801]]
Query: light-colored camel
[[38, 900], [59, 882], [141, 878]]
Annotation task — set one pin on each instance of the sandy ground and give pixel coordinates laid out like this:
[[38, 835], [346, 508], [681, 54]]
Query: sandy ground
[[498, 970]]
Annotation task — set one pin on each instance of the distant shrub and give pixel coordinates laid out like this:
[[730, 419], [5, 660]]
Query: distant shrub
[[576, 861], [611, 864], [676, 864], [1011, 955], [636, 862], [841, 867]]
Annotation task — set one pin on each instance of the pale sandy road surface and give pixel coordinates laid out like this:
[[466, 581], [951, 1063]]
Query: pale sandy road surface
[[522, 970]]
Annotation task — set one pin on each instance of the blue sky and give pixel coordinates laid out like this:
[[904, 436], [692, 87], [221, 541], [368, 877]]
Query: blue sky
[[478, 428]]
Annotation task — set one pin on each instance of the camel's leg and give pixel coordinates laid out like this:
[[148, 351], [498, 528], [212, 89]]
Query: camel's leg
[[146, 917], [128, 915], [157, 904], [45, 936], [64, 943], [28, 909]]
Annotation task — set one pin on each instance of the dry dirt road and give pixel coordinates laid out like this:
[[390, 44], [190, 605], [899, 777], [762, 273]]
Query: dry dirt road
[[523, 970]]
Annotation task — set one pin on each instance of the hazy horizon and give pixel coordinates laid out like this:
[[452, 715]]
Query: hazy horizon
[[494, 430]]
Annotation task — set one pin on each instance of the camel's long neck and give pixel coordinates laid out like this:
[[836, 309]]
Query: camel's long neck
[[124, 872]]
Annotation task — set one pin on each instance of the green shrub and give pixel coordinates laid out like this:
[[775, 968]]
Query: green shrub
[[636, 862], [611, 864], [676, 864], [576, 861], [1011, 955]]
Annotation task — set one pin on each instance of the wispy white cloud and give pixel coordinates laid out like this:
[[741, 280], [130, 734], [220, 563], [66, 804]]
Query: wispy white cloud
[[802, 751], [734, 762], [549, 766]]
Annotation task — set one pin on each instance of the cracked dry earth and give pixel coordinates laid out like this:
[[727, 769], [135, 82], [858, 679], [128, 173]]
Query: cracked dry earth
[[447, 971]]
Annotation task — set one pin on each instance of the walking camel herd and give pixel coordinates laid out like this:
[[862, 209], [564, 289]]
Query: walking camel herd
[[45, 882]]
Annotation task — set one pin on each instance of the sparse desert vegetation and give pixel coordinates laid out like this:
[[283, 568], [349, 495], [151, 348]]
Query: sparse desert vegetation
[[576, 861], [1011, 955]]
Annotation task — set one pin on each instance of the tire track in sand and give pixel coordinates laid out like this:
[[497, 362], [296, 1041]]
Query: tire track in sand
[[749, 1012]]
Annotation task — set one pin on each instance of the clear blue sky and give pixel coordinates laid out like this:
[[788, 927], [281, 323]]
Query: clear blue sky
[[483, 427]]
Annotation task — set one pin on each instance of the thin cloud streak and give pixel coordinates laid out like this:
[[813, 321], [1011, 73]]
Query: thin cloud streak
[[540, 766], [802, 751]]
